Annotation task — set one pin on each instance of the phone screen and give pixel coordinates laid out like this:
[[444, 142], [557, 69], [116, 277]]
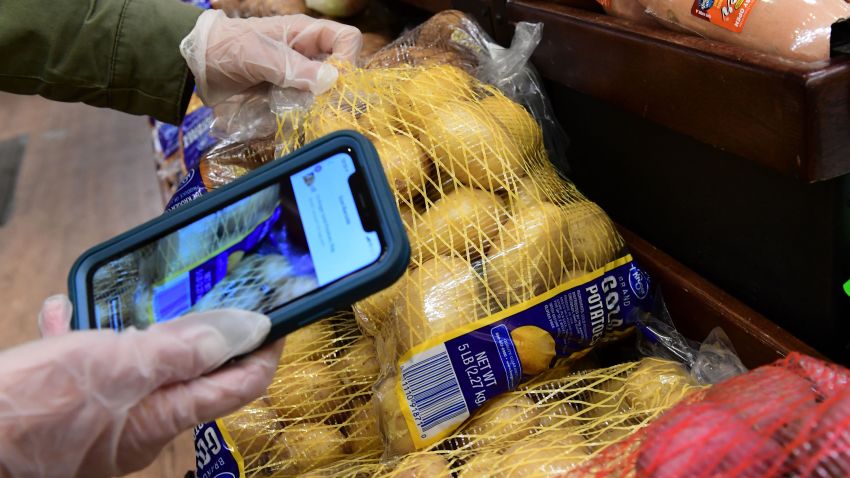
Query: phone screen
[[257, 253]]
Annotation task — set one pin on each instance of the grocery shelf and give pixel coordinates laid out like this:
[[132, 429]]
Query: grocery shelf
[[697, 306], [791, 117]]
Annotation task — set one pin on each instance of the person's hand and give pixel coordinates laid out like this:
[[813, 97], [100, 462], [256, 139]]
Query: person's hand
[[230, 55], [100, 403]]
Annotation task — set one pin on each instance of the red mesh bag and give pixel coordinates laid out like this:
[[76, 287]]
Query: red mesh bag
[[787, 419]]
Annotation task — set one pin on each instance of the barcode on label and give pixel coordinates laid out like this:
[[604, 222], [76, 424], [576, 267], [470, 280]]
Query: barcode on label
[[432, 390]]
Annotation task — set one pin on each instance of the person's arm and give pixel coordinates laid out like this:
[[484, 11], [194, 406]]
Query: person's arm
[[120, 54]]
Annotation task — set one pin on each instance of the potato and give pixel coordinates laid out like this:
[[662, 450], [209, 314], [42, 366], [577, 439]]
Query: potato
[[485, 464], [363, 430], [307, 446], [655, 384], [503, 419], [359, 364], [411, 218], [337, 8], [393, 424], [373, 312], [593, 241], [307, 343], [528, 256], [234, 259], [470, 144], [523, 191], [255, 430], [518, 123], [423, 465], [405, 163], [431, 90], [606, 398], [325, 118], [558, 415], [360, 101], [379, 117], [465, 221], [309, 391], [535, 347], [546, 454], [438, 297]]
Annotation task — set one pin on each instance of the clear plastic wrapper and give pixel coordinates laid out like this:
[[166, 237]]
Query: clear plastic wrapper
[[447, 38], [791, 29], [179, 148], [710, 362]]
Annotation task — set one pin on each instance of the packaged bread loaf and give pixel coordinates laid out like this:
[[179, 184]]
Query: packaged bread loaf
[[791, 29], [628, 9], [448, 37]]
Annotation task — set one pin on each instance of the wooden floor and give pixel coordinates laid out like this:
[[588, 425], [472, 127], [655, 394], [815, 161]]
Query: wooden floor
[[86, 176]]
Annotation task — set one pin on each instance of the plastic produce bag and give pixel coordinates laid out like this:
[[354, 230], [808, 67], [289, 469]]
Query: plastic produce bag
[[791, 418], [448, 38], [791, 29], [168, 156], [183, 145], [710, 362]]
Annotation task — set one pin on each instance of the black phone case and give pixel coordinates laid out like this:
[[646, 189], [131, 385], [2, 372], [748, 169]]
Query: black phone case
[[302, 311]]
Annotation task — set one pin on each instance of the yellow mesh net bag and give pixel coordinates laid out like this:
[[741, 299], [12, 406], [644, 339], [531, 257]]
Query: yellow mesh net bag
[[511, 266], [320, 417], [514, 275]]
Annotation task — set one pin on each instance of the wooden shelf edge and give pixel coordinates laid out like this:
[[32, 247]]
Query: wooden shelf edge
[[670, 78], [697, 306]]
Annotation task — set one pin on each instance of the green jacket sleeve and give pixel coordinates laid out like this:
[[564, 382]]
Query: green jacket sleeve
[[120, 54]]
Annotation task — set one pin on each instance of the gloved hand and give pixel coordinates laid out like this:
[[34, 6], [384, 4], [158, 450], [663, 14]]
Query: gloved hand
[[100, 403], [230, 55]]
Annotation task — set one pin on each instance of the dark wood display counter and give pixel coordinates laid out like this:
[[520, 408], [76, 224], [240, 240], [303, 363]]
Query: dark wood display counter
[[697, 306], [792, 117]]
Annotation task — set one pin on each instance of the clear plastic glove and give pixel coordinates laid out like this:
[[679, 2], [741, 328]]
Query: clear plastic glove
[[98, 403], [230, 55]]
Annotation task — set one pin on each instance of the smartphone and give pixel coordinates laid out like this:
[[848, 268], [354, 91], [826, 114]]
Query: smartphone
[[296, 239]]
